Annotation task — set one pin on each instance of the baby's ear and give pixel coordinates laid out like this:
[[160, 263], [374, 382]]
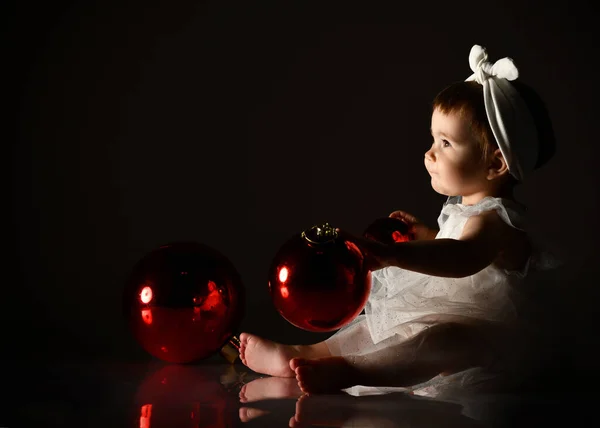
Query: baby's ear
[[497, 166]]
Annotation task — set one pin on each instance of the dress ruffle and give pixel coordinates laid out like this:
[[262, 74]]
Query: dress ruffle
[[402, 303], [400, 297]]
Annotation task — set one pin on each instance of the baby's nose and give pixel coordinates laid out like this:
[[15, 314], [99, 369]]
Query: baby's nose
[[429, 155]]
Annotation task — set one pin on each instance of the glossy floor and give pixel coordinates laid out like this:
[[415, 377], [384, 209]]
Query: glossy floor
[[219, 395]]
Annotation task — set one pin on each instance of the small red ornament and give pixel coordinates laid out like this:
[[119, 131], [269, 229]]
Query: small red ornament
[[318, 281], [389, 230], [183, 302], [185, 396]]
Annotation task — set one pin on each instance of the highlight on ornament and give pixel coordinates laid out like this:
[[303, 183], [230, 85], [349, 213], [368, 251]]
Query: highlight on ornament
[[184, 302], [318, 281], [389, 230]]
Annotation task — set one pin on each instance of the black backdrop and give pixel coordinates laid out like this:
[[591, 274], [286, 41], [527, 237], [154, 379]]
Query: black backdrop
[[240, 124]]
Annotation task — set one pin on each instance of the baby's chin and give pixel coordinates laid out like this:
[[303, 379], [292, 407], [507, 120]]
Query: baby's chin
[[438, 189]]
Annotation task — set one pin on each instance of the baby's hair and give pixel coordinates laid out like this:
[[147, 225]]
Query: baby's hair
[[466, 99]]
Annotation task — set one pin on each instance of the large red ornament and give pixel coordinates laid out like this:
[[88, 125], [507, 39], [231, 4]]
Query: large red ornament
[[389, 230], [185, 396], [183, 302], [318, 281]]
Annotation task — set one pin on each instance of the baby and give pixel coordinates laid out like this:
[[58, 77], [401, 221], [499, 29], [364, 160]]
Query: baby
[[443, 308]]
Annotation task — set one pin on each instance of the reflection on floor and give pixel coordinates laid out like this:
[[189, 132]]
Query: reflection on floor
[[220, 395]]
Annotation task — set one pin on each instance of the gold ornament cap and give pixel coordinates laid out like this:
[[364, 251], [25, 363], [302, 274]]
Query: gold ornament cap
[[320, 234], [231, 350]]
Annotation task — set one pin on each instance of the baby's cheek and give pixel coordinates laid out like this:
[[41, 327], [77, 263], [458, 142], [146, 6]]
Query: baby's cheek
[[467, 168]]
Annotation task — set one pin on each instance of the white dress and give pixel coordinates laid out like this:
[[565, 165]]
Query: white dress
[[402, 301]]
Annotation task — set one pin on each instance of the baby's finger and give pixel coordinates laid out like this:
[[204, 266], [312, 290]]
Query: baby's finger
[[363, 243], [345, 235], [402, 215], [351, 237]]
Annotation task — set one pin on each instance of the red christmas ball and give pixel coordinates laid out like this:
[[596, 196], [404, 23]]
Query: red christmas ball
[[389, 230], [183, 302], [318, 281], [184, 396]]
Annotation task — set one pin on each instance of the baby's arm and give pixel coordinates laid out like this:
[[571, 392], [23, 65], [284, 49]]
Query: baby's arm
[[482, 240]]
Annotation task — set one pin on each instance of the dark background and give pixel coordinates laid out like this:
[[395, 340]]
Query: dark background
[[241, 124]]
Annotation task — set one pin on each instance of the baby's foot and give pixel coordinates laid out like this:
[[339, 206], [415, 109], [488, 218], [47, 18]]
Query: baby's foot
[[246, 414], [324, 375], [269, 387], [267, 357]]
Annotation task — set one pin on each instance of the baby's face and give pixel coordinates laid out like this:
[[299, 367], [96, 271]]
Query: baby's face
[[454, 160]]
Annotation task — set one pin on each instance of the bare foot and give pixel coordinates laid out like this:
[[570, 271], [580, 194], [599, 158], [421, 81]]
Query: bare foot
[[246, 414], [268, 388], [324, 375], [267, 357]]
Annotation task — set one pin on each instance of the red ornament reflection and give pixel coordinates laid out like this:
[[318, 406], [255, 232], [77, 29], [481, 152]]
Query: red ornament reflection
[[183, 302], [185, 396], [389, 230], [318, 281]]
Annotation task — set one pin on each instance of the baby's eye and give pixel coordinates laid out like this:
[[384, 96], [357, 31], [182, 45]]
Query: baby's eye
[[445, 143]]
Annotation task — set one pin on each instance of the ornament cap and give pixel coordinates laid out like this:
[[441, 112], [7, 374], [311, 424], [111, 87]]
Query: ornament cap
[[231, 350], [320, 234]]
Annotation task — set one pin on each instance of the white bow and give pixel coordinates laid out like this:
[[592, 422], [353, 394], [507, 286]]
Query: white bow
[[508, 115], [483, 70]]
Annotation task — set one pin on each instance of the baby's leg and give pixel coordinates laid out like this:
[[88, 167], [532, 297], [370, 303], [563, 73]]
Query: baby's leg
[[272, 358], [449, 347]]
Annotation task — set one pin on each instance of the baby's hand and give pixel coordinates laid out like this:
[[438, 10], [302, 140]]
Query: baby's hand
[[373, 251], [418, 229]]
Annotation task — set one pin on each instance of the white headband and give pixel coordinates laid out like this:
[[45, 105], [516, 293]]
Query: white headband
[[508, 115]]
